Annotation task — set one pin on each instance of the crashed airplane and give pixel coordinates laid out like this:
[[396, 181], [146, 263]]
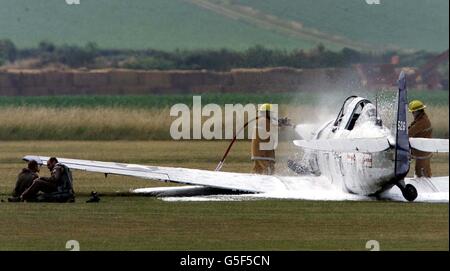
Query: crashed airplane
[[353, 157]]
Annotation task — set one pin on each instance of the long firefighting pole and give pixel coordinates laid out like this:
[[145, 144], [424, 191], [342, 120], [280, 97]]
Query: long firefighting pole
[[219, 166]]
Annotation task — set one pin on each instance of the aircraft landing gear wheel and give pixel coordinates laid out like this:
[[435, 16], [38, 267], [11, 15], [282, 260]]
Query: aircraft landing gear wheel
[[409, 192]]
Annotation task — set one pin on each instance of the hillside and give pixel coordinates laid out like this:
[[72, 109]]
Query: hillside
[[415, 24], [234, 24], [136, 24]]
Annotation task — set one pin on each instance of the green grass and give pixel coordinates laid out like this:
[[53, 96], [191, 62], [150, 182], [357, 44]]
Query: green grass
[[151, 101], [405, 23], [148, 117], [432, 98], [137, 24], [120, 223], [141, 223], [176, 24]]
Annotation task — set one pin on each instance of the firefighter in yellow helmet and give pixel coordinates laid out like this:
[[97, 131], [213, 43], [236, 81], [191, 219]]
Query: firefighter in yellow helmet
[[263, 157], [265, 139], [420, 127]]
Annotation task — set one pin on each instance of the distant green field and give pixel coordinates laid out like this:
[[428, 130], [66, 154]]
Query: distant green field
[[438, 98], [149, 118], [152, 101], [405, 23], [182, 24], [136, 24]]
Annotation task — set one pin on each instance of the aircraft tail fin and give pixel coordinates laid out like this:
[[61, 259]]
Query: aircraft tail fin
[[402, 148]]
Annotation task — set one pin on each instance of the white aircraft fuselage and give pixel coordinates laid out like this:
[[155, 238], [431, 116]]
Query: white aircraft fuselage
[[363, 173], [357, 153]]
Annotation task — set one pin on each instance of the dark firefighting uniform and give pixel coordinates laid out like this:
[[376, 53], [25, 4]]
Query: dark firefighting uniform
[[421, 127]]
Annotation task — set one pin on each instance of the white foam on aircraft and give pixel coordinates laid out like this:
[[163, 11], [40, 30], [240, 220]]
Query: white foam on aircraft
[[440, 197], [430, 190]]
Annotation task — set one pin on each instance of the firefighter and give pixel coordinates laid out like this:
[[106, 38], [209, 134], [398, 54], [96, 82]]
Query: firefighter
[[59, 181], [420, 127], [264, 141], [25, 179]]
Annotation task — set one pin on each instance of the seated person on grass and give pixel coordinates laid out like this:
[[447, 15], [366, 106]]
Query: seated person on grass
[[57, 187], [24, 180]]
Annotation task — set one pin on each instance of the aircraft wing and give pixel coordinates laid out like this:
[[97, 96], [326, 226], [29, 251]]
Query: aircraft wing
[[298, 187], [429, 144], [345, 144], [224, 180]]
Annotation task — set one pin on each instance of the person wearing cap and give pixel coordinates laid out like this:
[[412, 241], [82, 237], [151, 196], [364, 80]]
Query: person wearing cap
[[420, 127], [24, 180]]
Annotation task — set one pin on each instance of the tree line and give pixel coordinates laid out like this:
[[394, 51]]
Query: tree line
[[92, 56]]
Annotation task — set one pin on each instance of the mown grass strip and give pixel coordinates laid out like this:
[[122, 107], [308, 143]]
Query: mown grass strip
[[437, 97]]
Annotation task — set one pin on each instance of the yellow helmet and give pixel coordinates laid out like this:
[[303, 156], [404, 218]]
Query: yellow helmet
[[265, 107], [416, 105]]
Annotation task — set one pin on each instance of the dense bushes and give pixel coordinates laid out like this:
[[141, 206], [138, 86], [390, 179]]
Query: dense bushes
[[70, 55], [8, 51], [91, 56], [260, 57]]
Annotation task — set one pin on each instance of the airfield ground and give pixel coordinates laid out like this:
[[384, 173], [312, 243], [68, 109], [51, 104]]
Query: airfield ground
[[141, 223]]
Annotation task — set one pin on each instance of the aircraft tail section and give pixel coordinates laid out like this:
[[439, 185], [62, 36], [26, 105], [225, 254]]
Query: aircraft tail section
[[402, 147]]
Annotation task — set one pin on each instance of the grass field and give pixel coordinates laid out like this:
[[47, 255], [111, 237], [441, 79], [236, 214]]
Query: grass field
[[140, 124], [432, 97], [388, 23], [139, 24], [163, 101], [148, 117], [140, 223], [182, 24]]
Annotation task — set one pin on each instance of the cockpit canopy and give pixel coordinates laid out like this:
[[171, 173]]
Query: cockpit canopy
[[351, 110]]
